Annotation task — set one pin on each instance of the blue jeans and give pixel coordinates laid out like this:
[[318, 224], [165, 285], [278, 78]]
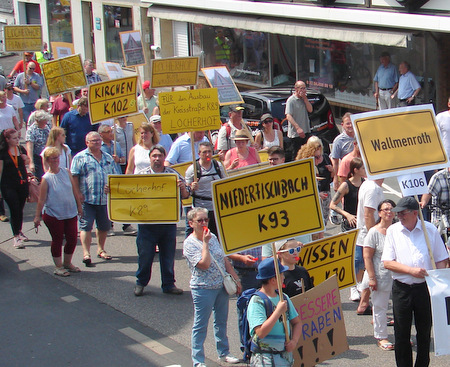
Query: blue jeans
[[206, 301], [150, 235], [27, 109]]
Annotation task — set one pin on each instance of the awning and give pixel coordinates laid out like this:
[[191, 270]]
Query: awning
[[290, 27]]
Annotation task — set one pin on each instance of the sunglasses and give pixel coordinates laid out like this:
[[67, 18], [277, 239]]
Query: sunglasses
[[203, 220], [292, 250]]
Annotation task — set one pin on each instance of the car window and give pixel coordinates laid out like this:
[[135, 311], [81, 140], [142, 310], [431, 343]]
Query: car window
[[254, 108]]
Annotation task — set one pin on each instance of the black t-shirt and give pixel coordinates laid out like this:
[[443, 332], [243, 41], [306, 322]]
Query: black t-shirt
[[324, 185], [292, 284], [10, 175]]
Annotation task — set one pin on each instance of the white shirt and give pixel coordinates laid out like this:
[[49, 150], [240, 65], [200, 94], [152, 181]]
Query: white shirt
[[369, 195], [409, 248], [17, 103], [443, 122]]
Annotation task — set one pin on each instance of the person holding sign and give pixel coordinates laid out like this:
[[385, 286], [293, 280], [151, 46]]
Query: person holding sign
[[267, 333], [138, 159], [28, 84], [408, 255], [18, 68], [162, 235], [204, 256], [147, 100], [241, 155]]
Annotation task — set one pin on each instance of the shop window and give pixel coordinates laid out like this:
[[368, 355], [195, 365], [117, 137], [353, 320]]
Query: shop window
[[117, 19], [244, 52], [59, 21]]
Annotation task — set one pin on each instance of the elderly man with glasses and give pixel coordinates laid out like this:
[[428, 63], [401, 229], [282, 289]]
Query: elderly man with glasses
[[28, 84]]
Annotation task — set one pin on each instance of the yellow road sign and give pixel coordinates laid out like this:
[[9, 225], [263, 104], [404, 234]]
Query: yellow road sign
[[329, 256], [176, 71], [113, 98], [267, 205], [64, 74], [144, 198], [399, 141], [191, 110], [23, 37]]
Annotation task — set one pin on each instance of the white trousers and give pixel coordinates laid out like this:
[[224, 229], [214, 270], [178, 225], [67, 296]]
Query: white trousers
[[384, 100], [380, 302]]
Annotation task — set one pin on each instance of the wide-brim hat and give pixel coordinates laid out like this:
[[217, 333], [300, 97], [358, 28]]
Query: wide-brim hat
[[241, 135], [266, 269]]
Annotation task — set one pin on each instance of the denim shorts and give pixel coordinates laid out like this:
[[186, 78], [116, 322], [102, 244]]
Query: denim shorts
[[91, 212], [359, 259]]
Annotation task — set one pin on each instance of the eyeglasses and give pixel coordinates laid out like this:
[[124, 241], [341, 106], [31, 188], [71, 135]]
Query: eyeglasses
[[95, 141], [387, 210], [203, 220], [292, 250]]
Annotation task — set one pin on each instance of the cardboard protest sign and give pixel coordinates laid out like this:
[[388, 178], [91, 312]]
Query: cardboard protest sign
[[114, 70], [267, 202], [323, 333], [62, 49], [113, 98], [438, 282], [390, 141], [175, 71], [331, 256], [220, 78], [64, 74], [191, 110], [151, 198], [23, 37], [133, 52]]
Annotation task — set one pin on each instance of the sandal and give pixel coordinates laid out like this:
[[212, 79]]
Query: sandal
[[72, 268], [103, 255], [390, 321], [87, 261], [385, 345], [61, 272]]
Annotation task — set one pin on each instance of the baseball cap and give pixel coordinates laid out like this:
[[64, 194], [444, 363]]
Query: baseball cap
[[266, 269], [155, 118], [236, 108], [408, 202], [279, 244], [146, 85], [266, 116]]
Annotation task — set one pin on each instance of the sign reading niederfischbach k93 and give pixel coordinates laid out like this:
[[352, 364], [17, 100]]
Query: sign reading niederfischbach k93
[[267, 205], [399, 141]]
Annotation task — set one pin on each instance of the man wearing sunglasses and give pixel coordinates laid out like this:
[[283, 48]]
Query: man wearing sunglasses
[[28, 85]]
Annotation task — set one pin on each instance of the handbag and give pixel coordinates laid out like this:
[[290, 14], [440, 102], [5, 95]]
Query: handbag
[[34, 188], [228, 281]]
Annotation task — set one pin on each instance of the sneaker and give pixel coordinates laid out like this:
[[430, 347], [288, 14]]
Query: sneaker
[[354, 294], [4, 218], [174, 290], [130, 231], [111, 232], [229, 359], [335, 218], [138, 290], [23, 237], [18, 242]]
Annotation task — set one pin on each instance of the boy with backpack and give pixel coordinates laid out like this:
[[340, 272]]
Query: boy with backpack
[[268, 342]]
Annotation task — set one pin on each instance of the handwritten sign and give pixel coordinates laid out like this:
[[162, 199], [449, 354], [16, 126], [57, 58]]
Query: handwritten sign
[[144, 198], [192, 110], [114, 70], [399, 141], [173, 72], [323, 333], [23, 37], [331, 256], [220, 78], [267, 202], [64, 74], [113, 98]]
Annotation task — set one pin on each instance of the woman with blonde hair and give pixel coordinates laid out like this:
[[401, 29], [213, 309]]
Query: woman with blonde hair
[[138, 159], [41, 104], [57, 139], [324, 172]]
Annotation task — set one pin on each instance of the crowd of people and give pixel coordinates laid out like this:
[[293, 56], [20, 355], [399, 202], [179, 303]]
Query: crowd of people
[[72, 159]]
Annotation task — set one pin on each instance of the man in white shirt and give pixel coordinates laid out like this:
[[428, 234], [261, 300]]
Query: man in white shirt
[[443, 123], [406, 254]]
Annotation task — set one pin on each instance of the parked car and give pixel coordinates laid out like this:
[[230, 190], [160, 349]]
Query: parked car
[[273, 100]]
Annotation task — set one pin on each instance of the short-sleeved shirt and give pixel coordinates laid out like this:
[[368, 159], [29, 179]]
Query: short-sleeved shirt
[[16, 102], [443, 122], [77, 127], [407, 85], [166, 141], [297, 109], [181, 152], [149, 103], [256, 316], [6, 118], [34, 94], [60, 107], [409, 248], [93, 175], [124, 136], [342, 145], [110, 151], [386, 77], [292, 281], [210, 278], [93, 78], [375, 240], [38, 137], [225, 142], [369, 195]]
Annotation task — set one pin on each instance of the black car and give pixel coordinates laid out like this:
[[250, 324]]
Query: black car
[[273, 101]]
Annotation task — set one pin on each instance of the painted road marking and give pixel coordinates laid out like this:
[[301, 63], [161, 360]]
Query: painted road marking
[[70, 299], [153, 345]]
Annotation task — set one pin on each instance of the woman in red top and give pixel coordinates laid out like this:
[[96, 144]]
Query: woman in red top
[[242, 155]]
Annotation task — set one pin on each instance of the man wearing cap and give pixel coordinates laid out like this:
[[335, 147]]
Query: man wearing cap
[[164, 139], [18, 68], [28, 85], [268, 332], [297, 109], [91, 76], [147, 100], [406, 254], [385, 82], [225, 139]]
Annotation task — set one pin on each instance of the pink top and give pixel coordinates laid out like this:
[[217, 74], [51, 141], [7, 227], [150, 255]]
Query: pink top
[[251, 158]]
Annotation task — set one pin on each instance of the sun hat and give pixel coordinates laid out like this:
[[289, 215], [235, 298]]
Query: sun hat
[[241, 135]]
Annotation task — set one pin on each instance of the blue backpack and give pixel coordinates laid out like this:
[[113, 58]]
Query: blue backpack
[[242, 304]]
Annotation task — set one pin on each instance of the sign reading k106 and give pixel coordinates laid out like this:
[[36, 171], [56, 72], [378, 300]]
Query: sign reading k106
[[267, 205]]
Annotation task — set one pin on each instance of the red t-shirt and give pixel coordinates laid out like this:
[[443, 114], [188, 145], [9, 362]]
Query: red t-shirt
[[19, 67]]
